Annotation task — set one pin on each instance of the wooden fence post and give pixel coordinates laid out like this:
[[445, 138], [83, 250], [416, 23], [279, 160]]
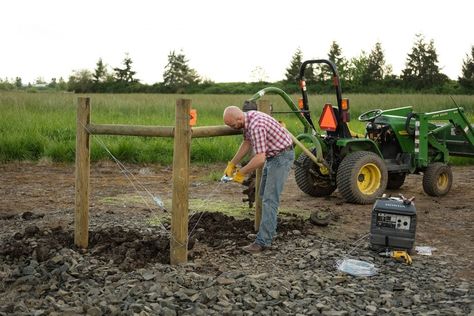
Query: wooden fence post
[[81, 215], [180, 203], [262, 106]]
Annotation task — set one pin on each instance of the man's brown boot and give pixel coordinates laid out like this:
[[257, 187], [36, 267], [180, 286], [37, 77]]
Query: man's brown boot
[[254, 248]]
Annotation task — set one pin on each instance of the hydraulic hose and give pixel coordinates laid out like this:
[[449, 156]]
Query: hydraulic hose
[[319, 152], [285, 97]]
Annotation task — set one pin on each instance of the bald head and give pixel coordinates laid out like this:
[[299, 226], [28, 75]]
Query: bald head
[[234, 117]]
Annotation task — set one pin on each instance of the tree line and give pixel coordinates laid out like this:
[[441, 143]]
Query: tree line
[[366, 73]]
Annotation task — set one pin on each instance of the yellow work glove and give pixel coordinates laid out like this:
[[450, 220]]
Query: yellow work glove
[[231, 168], [238, 177]]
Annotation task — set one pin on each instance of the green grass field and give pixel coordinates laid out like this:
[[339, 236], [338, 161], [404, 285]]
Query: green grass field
[[37, 126]]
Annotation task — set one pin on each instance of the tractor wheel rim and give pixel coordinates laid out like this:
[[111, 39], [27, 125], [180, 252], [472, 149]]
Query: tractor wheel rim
[[369, 178], [443, 180]]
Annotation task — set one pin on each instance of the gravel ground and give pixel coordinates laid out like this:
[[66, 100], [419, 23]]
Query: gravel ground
[[125, 272]]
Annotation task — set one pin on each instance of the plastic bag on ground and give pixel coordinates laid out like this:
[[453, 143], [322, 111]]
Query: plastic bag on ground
[[356, 267], [424, 250]]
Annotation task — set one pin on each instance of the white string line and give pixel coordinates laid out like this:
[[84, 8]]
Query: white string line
[[124, 168], [356, 244], [205, 200], [202, 213], [125, 171]]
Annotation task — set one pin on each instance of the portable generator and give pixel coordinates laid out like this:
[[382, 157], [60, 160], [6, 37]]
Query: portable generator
[[393, 224]]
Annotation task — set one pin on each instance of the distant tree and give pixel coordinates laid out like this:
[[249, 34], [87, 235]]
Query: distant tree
[[366, 69], [18, 83], [6, 85], [53, 83], [80, 81], [358, 68], [310, 74], [178, 74], [342, 65], [467, 79], [293, 71], [40, 81], [100, 72], [62, 85], [376, 68], [421, 70], [125, 74]]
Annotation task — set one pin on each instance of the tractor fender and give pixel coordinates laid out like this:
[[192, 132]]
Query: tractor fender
[[348, 146]]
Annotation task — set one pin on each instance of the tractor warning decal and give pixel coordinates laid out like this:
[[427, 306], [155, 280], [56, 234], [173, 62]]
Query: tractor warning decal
[[328, 121]]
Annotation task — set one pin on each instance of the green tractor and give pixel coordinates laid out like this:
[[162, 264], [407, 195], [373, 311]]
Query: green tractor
[[397, 142]]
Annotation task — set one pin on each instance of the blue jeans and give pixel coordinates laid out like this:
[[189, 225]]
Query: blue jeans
[[274, 175]]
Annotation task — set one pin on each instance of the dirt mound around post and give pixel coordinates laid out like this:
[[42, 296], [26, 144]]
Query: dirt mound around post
[[132, 249], [219, 230], [36, 243]]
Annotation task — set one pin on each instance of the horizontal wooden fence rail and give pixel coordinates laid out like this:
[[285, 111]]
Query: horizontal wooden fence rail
[[211, 131], [130, 130], [158, 131]]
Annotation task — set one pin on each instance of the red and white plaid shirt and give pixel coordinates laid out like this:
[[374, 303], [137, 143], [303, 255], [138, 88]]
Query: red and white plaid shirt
[[265, 134]]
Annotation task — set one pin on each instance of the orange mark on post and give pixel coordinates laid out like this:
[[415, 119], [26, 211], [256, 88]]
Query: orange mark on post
[[193, 117]]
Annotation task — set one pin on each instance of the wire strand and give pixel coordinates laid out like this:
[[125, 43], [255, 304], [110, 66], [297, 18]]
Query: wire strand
[[131, 179]]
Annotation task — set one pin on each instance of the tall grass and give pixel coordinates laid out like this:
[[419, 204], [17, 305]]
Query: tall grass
[[33, 126]]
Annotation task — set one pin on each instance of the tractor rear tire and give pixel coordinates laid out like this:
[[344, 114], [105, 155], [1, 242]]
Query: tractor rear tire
[[362, 177], [309, 178], [437, 179], [395, 180]]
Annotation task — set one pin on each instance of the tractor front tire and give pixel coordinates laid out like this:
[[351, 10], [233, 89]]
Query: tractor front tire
[[309, 178], [395, 180], [437, 179], [362, 177]]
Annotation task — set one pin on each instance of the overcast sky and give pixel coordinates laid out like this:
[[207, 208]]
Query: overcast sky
[[223, 40]]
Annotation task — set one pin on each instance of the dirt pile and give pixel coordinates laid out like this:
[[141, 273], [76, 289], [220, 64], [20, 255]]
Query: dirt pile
[[219, 230], [132, 249]]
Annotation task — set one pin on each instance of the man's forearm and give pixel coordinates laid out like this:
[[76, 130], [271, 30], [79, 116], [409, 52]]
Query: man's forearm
[[256, 162], [243, 150]]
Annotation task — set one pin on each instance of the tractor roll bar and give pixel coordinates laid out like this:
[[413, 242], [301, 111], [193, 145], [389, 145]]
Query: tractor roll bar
[[336, 84]]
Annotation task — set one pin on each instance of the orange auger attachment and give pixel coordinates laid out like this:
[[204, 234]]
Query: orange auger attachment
[[328, 121]]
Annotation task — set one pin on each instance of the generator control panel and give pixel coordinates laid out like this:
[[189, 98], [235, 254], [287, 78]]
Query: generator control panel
[[393, 221]]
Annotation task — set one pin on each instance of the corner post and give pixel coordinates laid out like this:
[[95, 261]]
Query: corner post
[[81, 215], [262, 106], [180, 203]]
